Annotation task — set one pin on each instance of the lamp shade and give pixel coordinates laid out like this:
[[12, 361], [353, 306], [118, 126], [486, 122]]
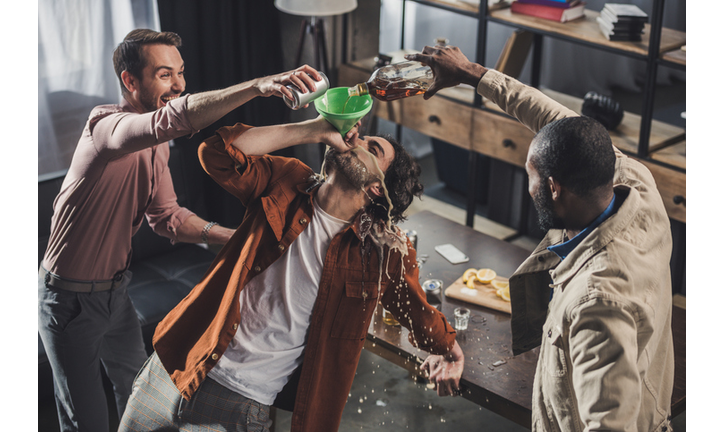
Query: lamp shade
[[316, 7]]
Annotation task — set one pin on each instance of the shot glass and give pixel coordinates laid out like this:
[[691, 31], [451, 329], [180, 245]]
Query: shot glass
[[462, 316]]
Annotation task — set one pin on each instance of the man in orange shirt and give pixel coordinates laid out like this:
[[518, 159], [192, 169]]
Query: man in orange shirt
[[283, 312]]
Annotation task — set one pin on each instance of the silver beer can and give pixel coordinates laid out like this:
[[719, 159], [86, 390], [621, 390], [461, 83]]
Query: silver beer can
[[433, 292], [300, 99]]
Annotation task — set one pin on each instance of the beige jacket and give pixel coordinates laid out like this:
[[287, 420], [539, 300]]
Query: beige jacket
[[606, 358]]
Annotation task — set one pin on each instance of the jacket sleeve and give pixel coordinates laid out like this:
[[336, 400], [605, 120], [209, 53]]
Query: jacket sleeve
[[246, 177], [527, 104], [429, 330], [604, 349]]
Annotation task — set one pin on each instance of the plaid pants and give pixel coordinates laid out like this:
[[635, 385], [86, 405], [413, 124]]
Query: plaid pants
[[157, 405]]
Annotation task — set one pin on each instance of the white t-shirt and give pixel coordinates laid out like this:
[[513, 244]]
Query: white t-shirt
[[276, 307]]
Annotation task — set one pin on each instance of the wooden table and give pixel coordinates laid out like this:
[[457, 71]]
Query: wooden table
[[505, 389]]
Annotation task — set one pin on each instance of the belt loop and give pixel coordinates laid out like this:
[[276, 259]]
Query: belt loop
[[47, 279], [117, 279], [93, 287]]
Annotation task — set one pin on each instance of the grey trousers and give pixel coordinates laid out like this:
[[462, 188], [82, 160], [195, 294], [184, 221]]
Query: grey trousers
[[82, 332], [157, 405]]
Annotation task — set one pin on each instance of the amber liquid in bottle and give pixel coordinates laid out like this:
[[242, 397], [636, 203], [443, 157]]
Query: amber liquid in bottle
[[396, 81], [389, 90]]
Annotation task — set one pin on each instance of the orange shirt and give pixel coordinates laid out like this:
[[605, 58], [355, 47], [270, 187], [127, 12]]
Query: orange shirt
[[277, 193]]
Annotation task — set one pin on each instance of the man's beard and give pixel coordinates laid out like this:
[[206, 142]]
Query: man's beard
[[543, 202], [149, 103], [350, 167]]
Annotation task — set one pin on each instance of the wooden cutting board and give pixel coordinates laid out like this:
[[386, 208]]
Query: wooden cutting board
[[483, 294]]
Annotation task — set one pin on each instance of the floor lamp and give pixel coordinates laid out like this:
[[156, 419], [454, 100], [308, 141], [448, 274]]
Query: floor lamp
[[312, 10]]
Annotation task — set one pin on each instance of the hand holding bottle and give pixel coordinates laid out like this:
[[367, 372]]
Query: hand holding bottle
[[450, 67]]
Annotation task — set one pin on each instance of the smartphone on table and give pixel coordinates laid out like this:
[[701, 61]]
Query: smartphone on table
[[451, 253]]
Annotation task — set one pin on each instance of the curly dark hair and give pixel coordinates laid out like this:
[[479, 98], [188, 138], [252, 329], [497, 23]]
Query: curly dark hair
[[402, 182], [128, 55], [576, 151]]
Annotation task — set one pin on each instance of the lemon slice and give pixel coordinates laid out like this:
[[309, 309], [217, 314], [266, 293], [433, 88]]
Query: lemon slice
[[468, 274], [504, 293], [499, 284], [470, 283], [485, 275]]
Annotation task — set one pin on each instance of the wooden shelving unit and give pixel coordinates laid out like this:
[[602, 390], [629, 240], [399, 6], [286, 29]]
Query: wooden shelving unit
[[653, 142], [586, 31]]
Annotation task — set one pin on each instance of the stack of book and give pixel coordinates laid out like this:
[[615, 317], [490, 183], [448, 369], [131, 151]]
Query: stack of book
[[622, 22], [555, 10]]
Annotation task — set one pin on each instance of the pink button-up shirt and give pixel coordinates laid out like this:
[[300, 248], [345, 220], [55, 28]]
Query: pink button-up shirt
[[119, 172]]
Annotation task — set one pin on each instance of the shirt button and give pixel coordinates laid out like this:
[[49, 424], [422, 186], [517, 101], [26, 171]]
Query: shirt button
[[303, 221], [541, 259], [214, 356], [235, 326], [257, 269], [281, 247], [550, 333]]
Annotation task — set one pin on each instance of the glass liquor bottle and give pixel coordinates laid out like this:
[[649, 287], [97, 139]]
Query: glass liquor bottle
[[395, 81]]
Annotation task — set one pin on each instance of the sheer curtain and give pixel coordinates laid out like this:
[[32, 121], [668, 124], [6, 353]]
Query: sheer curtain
[[76, 39]]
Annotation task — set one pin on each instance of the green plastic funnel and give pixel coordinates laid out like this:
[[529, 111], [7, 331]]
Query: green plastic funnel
[[332, 107]]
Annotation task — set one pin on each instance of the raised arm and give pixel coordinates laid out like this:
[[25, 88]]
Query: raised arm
[[530, 106], [267, 139], [236, 161], [125, 132], [207, 107]]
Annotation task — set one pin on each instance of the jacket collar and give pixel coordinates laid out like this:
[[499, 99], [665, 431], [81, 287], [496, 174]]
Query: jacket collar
[[363, 223], [599, 237], [310, 187]]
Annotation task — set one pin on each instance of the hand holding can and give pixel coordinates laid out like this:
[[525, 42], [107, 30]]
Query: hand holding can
[[300, 99]]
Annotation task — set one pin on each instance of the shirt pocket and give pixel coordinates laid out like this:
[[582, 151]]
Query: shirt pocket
[[559, 402], [552, 352], [355, 310]]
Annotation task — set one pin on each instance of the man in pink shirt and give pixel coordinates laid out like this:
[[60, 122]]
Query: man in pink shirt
[[118, 174]]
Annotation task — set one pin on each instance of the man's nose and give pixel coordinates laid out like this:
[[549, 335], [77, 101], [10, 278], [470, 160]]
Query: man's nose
[[179, 84]]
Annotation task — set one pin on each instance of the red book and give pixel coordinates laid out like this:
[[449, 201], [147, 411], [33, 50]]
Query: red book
[[553, 3], [548, 12]]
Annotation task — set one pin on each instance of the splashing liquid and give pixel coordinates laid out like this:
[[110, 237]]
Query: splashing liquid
[[382, 234], [381, 176]]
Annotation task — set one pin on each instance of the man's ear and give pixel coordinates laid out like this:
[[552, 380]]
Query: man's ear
[[555, 187], [376, 189], [130, 81]]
